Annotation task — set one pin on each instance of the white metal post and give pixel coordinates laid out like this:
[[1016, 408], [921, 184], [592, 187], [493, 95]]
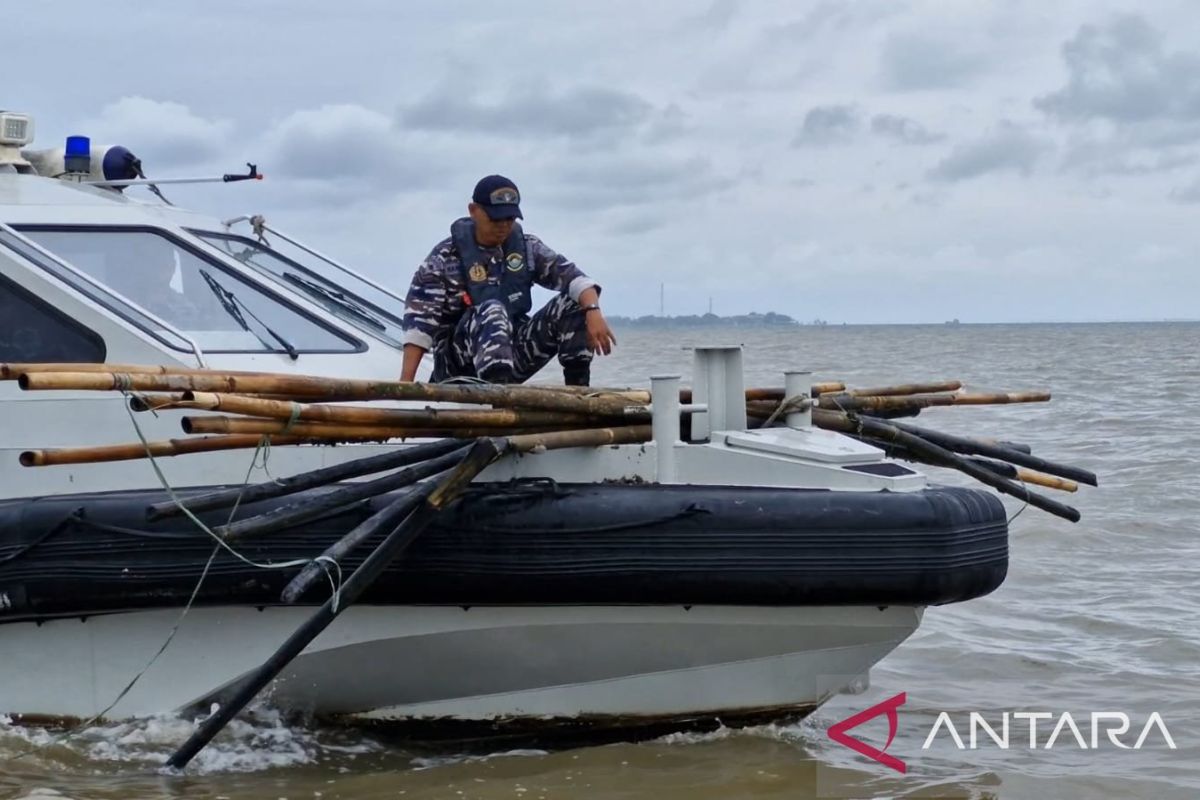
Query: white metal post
[[798, 384], [718, 384], [664, 422]]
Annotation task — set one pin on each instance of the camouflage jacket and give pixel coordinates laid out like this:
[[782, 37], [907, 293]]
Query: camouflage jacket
[[436, 301]]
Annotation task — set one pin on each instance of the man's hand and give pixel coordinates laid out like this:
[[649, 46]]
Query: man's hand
[[599, 335]]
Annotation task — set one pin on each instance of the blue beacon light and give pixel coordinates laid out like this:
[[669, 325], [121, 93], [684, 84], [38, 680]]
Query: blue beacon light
[[78, 155]]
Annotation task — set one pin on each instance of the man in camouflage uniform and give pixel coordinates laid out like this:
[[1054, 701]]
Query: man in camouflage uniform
[[469, 301]]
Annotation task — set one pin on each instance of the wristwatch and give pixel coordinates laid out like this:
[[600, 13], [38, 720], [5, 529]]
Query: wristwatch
[[592, 307]]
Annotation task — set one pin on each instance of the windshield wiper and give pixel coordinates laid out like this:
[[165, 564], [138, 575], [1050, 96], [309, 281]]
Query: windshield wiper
[[233, 307], [339, 298]]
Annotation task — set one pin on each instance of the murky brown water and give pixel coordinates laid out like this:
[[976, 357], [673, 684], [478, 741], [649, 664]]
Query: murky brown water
[[1099, 616]]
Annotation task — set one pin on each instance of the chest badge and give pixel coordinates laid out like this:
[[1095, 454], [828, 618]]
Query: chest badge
[[515, 262], [477, 273]]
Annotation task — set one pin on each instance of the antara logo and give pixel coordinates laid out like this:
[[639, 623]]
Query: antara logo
[[837, 731], [1105, 728]]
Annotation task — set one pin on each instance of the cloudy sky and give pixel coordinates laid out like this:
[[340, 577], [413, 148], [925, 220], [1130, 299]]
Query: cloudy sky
[[868, 161]]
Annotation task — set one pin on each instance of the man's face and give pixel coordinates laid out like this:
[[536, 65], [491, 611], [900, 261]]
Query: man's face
[[489, 232]]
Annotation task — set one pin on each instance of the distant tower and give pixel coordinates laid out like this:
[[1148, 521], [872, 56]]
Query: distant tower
[[710, 304], [661, 300]]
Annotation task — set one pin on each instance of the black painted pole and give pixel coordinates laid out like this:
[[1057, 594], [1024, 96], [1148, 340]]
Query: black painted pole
[[484, 452], [306, 480], [308, 508]]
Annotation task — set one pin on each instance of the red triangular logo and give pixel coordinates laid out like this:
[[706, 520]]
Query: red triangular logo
[[837, 731]]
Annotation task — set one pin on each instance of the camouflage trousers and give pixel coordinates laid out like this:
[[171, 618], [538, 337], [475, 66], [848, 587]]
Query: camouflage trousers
[[487, 343]]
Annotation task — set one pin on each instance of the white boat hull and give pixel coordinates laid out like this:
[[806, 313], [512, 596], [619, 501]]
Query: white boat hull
[[407, 664]]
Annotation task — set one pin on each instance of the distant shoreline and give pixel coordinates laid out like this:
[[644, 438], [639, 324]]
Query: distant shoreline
[[784, 321], [709, 321]]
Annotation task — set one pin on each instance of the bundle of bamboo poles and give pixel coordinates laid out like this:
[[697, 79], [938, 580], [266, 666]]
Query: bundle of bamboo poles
[[284, 409]]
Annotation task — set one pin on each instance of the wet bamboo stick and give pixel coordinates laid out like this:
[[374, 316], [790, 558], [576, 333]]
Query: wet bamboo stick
[[932, 453], [907, 388], [1026, 475], [1049, 481], [155, 401], [280, 487], [631, 395], [592, 437], [126, 452], [334, 430], [385, 519], [448, 488], [307, 508], [774, 394], [845, 402], [1000, 468], [303, 385], [961, 444], [401, 417]]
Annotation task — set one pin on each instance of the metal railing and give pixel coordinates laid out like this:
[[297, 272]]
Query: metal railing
[[105, 289]]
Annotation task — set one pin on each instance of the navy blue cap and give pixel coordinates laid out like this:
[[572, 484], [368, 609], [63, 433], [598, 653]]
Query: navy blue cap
[[499, 198]]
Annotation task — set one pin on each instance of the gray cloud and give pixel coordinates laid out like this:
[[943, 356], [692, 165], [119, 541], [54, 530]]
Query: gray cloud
[[1124, 155], [1008, 147], [1188, 195], [581, 112], [717, 16], [827, 125], [903, 129], [832, 17], [1121, 72], [345, 154], [619, 181], [916, 61], [167, 134]]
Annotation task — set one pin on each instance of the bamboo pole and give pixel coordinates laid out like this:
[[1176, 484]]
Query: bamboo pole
[[1000, 468], [159, 449], [846, 402], [772, 394], [1026, 475], [448, 488], [866, 426], [1049, 481], [159, 401], [907, 388], [960, 444], [336, 430], [593, 437], [304, 385], [386, 518], [399, 417], [305, 509], [631, 395], [323, 476]]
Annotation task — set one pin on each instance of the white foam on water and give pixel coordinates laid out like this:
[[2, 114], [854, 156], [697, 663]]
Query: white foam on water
[[261, 741], [433, 762], [765, 731], [43, 793]]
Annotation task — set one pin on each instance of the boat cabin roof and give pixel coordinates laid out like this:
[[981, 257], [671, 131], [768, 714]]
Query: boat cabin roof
[[184, 283]]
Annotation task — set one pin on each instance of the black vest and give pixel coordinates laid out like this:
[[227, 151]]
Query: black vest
[[490, 277]]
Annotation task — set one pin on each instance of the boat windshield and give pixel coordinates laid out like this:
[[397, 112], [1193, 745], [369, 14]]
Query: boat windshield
[[223, 312], [356, 302]]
